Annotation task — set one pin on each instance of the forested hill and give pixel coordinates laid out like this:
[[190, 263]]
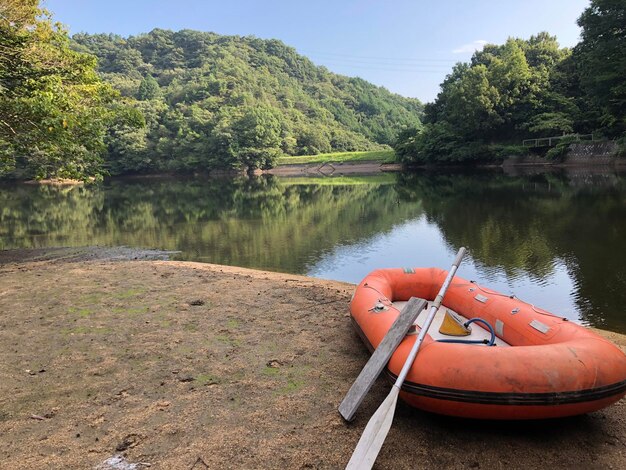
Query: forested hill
[[222, 101]]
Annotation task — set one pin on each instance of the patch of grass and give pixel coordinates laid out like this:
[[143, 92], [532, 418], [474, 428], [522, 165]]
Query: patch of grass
[[130, 310], [505, 151], [382, 178], [127, 294], [559, 151], [270, 371], [291, 386], [236, 376], [81, 312], [185, 349], [267, 347], [234, 403], [621, 147], [228, 340], [382, 156], [206, 379], [292, 378], [92, 298], [232, 323]]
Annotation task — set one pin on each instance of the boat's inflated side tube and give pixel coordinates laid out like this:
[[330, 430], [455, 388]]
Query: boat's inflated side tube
[[554, 367]]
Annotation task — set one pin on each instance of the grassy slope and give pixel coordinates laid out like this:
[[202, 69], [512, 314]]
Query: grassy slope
[[383, 156], [383, 178]]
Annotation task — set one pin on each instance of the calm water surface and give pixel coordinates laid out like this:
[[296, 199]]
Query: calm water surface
[[555, 240]]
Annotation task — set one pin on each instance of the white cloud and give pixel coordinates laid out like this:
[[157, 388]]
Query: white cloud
[[471, 47]]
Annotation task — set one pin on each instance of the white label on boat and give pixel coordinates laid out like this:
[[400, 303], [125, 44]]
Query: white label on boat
[[500, 328], [481, 298], [537, 325]]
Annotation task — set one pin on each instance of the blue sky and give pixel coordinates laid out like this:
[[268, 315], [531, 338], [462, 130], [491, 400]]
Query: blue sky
[[406, 46]]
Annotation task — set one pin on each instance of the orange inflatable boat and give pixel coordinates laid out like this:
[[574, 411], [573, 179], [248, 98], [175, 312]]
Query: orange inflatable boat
[[515, 361]]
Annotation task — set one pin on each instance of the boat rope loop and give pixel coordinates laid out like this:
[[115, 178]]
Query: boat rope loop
[[488, 342], [513, 296], [381, 300]]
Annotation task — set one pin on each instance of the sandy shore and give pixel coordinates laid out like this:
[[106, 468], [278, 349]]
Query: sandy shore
[[187, 365]]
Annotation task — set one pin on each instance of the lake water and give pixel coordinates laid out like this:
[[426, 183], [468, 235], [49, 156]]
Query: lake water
[[553, 239]]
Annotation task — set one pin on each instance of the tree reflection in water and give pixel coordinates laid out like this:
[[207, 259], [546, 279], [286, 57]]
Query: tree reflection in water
[[516, 226]]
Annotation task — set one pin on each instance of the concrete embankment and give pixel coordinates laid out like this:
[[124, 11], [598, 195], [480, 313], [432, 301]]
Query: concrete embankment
[[582, 154], [334, 169], [187, 365]]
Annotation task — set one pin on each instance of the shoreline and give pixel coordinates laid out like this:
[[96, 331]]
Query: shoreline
[[14, 258], [329, 169], [360, 168], [172, 363]]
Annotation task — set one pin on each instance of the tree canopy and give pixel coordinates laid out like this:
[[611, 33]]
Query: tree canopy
[[236, 102], [507, 92], [601, 56], [54, 109], [189, 100]]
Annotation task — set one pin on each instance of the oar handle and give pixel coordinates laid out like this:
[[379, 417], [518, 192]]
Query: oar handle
[[459, 258], [429, 319]]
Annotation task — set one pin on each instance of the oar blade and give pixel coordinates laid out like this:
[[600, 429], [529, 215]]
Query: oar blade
[[374, 435]]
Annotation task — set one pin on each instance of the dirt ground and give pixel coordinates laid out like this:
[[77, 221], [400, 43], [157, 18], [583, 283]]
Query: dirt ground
[[176, 365]]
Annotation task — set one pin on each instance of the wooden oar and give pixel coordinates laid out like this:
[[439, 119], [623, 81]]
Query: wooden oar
[[379, 359], [375, 432]]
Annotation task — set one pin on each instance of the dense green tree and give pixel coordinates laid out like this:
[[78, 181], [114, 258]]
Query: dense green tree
[[148, 89], [509, 92], [54, 109], [258, 134], [601, 56], [472, 101]]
